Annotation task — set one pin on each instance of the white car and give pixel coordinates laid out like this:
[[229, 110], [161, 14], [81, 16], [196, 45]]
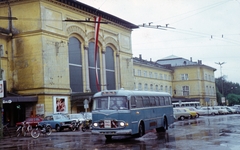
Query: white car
[[220, 109], [200, 112], [231, 110], [77, 117], [210, 110]]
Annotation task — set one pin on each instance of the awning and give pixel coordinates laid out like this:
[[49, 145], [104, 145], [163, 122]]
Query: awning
[[14, 99]]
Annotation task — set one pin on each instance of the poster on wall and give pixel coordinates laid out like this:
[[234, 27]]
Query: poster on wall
[[60, 104], [40, 109]]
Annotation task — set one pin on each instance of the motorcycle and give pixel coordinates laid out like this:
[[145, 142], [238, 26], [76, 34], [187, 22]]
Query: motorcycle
[[41, 129], [87, 125], [76, 125]]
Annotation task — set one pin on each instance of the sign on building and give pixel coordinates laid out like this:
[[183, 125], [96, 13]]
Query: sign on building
[[1, 89], [40, 109]]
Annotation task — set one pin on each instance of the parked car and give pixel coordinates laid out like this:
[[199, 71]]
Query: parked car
[[77, 117], [231, 110], [220, 109], [193, 113], [210, 110], [237, 108], [33, 121], [200, 112], [87, 115], [180, 114], [57, 122]]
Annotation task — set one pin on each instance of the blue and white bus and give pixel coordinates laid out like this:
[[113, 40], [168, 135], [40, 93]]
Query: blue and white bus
[[136, 112]]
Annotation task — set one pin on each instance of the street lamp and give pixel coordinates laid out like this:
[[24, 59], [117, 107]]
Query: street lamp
[[220, 64]]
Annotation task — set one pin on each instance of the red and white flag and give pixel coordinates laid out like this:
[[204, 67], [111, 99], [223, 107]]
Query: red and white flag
[[97, 26]]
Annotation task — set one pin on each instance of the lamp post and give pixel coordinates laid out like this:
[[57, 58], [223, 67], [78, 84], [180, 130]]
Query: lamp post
[[220, 64]]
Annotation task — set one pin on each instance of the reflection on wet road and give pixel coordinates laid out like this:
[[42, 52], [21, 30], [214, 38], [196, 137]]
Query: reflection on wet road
[[207, 132]]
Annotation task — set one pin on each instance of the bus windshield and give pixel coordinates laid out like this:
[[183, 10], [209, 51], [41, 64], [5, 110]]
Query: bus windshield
[[111, 102]]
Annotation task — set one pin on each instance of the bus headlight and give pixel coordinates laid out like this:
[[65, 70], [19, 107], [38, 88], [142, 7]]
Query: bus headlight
[[122, 124], [95, 124]]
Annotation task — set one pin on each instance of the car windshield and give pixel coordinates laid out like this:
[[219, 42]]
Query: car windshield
[[112, 103]]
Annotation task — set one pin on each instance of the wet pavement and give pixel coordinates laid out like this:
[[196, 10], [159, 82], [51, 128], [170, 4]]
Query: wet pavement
[[207, 132]]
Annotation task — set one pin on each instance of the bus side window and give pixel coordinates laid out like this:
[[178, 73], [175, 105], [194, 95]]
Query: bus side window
[[162, 102], [170, 100], [166, 100], [157, 101], [146, 102], [152, 101], [133, 102], [139, 101]]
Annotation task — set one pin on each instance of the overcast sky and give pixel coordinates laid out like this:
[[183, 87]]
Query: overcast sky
[[207, 30]]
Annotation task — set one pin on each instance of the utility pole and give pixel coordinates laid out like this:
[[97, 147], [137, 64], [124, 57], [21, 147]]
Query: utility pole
[[220, 64]]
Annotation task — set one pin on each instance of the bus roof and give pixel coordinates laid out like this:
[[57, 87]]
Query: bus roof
[[123, 92]]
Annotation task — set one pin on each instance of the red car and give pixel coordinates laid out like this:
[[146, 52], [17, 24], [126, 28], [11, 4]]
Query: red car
[[33, 121]]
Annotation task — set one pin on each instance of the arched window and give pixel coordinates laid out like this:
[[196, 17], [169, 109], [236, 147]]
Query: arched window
[[75, 65], [92, 72], [161, 88], [151, 87], [157, 88], [110, 68], [146, 87]]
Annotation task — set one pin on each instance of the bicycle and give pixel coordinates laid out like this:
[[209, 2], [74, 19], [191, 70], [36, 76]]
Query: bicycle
[[44, 129], [19, 131], [26, 128], [5, 130]]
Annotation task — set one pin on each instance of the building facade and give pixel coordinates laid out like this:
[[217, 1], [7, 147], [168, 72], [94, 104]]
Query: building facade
[[185, 80], [191, 81], [48, 56]]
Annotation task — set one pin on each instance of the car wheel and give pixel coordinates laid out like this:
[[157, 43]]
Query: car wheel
[[58, 128], [197, 116], [181, 118]]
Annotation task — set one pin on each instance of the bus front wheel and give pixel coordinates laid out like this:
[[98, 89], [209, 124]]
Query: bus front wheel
[[141, 130]]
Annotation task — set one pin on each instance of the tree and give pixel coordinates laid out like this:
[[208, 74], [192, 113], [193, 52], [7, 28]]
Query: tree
[[233, 99], [229, 90]]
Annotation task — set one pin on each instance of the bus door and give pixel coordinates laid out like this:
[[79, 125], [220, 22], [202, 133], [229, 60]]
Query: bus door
[[136, 113]]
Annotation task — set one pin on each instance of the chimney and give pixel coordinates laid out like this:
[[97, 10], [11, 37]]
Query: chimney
[[140, 56], [199, 62], [191, 59], [150, 59]]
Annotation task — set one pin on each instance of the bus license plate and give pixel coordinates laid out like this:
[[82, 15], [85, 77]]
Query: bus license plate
[[107, 123]]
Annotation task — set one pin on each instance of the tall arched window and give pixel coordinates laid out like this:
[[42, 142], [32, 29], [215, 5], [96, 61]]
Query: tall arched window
[[110, 68], [75, 65], [91, 63]]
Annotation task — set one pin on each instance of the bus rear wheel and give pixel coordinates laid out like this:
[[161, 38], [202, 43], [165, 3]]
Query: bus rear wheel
[[164, 128]]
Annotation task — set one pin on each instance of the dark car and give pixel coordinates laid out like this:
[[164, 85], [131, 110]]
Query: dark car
[[33, 121], [57, 122]]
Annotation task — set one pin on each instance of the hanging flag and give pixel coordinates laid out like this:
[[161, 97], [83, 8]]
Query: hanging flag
[[97, 26]]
